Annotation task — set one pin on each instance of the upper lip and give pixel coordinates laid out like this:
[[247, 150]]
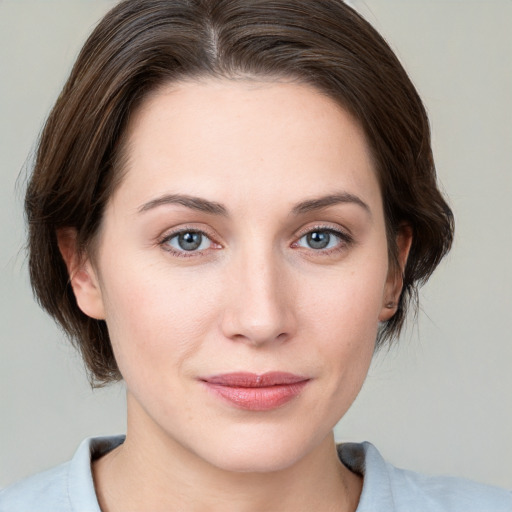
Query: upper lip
[[254, 380]]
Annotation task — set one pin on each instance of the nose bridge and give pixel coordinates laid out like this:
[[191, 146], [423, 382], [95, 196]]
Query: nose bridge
[[259, 307]]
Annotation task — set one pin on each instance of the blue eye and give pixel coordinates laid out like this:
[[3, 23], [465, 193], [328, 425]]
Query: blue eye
[[189, 241], [320, 239]]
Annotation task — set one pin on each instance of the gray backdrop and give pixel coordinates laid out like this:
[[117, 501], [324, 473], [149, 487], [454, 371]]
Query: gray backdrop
[[440, 402]]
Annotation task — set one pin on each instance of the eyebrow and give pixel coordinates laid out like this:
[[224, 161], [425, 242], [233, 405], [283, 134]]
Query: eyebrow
[[214, 208], [330, 200], [194, 203]]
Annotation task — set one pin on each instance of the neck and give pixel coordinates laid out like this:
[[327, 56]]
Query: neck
[[151, 471]]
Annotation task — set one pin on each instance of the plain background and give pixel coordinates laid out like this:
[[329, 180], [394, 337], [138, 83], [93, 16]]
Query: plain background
[[440, 401]]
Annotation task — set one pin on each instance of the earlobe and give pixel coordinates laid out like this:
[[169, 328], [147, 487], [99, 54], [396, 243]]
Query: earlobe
[[394, 282], [82, 276]]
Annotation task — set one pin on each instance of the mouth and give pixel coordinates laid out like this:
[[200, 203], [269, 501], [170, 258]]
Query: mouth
[[256, 392]]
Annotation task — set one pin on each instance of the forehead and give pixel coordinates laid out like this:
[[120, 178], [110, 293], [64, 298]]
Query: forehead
[[235, 138]]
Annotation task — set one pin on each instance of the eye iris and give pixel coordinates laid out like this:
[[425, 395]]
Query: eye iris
[[190, 241], [318, 239]]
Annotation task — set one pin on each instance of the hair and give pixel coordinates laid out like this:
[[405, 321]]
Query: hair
[[141, 45]]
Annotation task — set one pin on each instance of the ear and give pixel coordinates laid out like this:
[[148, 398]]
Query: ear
[[394, 281], [82, 276]]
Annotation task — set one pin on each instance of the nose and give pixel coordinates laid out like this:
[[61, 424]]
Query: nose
[[259, 301]]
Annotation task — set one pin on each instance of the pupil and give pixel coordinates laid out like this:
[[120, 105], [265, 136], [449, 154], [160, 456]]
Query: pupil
[[190, 241], [318, 239]]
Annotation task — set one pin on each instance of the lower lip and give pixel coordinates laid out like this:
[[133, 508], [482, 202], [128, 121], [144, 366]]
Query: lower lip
[[259, 398]]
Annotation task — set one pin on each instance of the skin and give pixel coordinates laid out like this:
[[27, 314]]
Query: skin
[[254, 297]]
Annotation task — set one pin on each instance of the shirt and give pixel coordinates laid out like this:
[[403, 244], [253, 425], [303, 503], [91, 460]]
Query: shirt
[[70, 488]]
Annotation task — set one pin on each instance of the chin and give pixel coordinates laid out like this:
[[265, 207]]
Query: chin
[[244, 461], [259, 453]]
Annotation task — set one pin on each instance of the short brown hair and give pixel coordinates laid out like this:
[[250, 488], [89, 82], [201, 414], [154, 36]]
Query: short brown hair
[[142, 44]]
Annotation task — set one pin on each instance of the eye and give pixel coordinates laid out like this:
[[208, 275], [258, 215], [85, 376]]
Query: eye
[[188, 241], [323, 239]]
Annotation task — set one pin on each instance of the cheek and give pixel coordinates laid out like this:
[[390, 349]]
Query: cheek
[[342, 316], [155, 321], [345, 329], [346, 302]]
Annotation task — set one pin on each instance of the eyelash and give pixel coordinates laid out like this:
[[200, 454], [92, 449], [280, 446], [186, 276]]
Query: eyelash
[[345, 240], [164, 243]]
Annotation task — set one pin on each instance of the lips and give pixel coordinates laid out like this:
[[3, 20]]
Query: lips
[[255, 392]]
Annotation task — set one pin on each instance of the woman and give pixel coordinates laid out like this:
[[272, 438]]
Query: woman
[[232, 201]]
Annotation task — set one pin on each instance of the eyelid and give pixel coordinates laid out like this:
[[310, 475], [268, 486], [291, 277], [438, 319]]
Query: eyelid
[[344, 235], [170, 234]]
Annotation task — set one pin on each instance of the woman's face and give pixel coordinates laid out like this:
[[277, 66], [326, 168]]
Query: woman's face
[[246, 237]]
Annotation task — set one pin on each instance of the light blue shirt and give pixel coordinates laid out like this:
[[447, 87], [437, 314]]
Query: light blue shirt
[[70, 488]]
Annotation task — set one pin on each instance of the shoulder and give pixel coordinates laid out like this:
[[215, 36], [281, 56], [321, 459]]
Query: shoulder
[[42, 492], [389, 488], [65, 488]]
